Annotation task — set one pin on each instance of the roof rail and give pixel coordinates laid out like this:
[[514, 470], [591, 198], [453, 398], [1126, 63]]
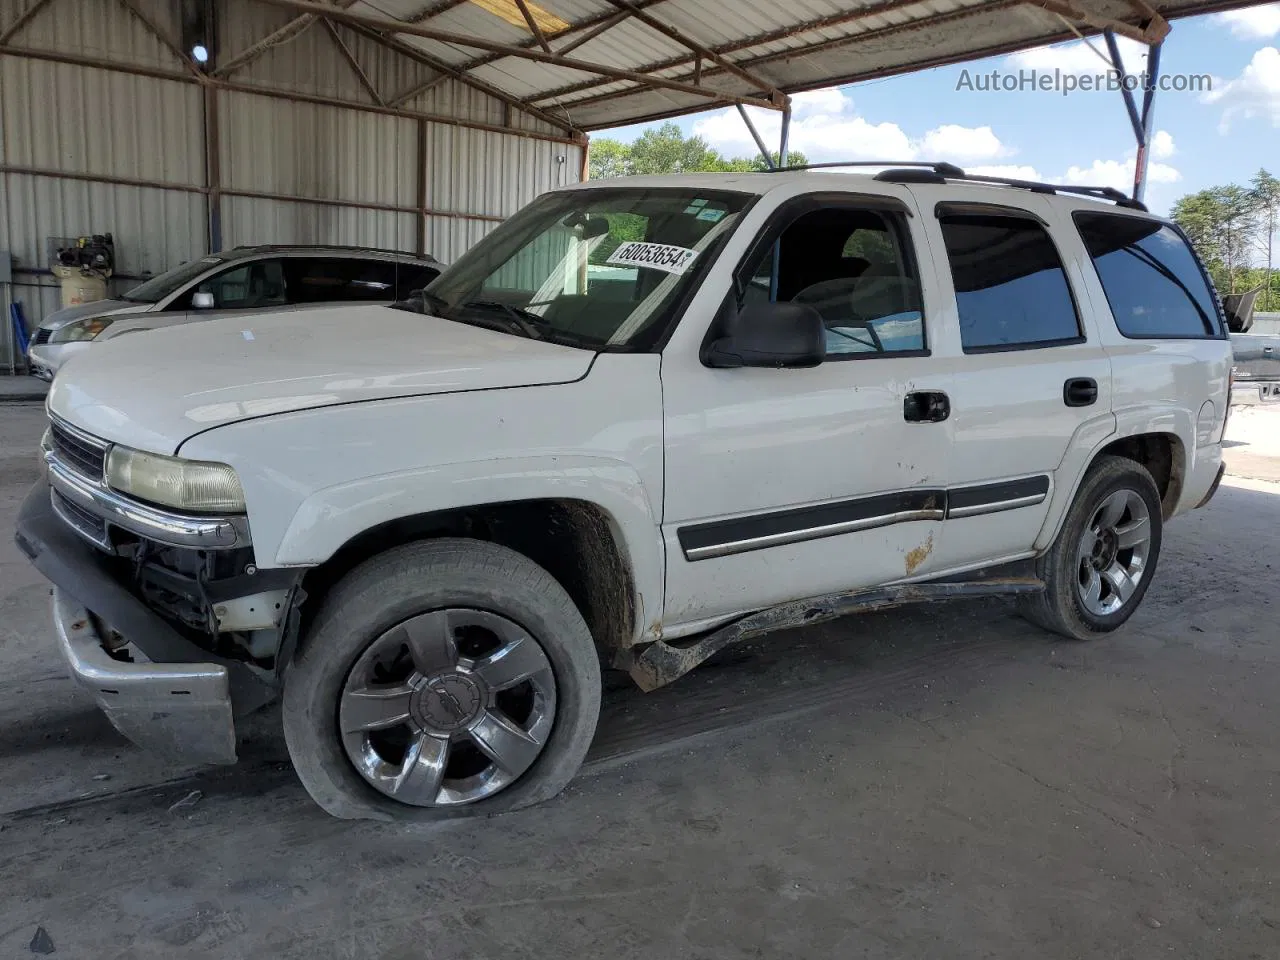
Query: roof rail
[[906, 171]]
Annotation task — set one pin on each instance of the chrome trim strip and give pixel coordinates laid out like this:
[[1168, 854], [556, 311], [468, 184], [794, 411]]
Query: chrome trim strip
[[810, 533], [179, 530], [998, 506], [87, 439]]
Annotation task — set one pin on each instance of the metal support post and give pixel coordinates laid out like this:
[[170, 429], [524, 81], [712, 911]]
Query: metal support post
[[755, 135], [786, 134]]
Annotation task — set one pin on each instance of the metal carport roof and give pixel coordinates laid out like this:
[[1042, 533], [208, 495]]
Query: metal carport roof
[[602, 63]]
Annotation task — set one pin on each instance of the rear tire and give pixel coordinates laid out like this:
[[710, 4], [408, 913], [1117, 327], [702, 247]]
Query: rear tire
[[394, 706], [1099, 567]]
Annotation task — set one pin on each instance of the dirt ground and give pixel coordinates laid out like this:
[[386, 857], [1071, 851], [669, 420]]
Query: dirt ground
[[944, 782]]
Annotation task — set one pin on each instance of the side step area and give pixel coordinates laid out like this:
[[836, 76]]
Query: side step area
[[661, 662]]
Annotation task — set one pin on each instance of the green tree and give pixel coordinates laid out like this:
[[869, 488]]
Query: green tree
[[1222, 223], [665, 150], [1266, 191], [609, 158]]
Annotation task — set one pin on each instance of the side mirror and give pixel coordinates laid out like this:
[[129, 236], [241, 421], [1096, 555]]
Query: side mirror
[[771, 335], [202, 301]]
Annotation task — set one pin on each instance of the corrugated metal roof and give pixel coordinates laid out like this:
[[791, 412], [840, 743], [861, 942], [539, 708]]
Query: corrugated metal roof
[[792, 46]]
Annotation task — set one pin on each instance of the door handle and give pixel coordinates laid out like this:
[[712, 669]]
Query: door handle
[[926, 406], [1080, 392]]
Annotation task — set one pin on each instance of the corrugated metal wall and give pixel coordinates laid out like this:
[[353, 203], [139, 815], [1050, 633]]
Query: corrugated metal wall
[[90, 150]]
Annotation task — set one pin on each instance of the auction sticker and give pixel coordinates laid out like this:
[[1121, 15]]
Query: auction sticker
[[656, 256]]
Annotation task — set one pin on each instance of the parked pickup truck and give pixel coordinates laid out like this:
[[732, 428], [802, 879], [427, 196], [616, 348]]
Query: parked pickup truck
[[640, 420], [1256, 369]]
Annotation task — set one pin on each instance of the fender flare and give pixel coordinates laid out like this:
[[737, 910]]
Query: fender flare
[[331, 517], [1091, 441]]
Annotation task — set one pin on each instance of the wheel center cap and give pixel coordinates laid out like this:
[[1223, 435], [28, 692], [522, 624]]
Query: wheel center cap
[[447, 703]]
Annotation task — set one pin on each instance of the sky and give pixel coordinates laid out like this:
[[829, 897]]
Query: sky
[[1202, 138]]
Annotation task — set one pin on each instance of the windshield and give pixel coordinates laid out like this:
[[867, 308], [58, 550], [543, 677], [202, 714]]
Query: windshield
[[599, 268], [157, 288]]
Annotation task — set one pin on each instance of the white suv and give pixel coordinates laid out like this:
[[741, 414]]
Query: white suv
[[640, 420]]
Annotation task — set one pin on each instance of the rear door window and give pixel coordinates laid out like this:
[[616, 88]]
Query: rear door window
[[1151, 278], [338, 279], [1011, 289]]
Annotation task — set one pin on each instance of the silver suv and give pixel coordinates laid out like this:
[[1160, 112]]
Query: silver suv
[[246, 278]]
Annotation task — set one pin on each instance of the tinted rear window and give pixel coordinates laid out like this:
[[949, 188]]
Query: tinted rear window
[[1011, 290], [1151, 278]]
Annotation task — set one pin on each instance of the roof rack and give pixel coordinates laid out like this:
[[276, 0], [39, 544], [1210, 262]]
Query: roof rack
[[916, 171]]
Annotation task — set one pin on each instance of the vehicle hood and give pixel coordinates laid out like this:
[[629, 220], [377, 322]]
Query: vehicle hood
[[99, 308], [155, 391]]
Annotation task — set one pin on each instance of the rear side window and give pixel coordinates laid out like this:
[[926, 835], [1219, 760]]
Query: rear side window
[[321, 280], [410, 277], [1011, 289], [1151, 278]]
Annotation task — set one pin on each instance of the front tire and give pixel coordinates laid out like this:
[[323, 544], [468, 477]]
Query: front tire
[[1098, 569], [441, 679]]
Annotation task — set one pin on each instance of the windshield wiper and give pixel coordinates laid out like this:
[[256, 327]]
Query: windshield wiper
[[526, 321]]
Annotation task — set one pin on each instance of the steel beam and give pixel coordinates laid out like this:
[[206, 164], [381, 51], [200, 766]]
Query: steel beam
[[435, 63], [417, 90], [938, 19], [15, 28], [755, 135], [1143, 160], [353, 63], [533, 26], [165, 40], [701, 50], [159, 73], [286, 33], [771, 36], [213, 168], [249, 194], [538, 56]]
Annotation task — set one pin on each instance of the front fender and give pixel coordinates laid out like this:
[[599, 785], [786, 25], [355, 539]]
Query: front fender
[[330, 517]]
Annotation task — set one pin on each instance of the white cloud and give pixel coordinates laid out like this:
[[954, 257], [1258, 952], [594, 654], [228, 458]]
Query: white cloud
[[1253, 23], [1253, 94], [1162, 147], [1078, 58], [954, 142], [1119, 174], [825, 126]]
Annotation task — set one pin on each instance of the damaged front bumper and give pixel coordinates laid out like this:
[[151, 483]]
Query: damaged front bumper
[[159, 689], [174, 709]]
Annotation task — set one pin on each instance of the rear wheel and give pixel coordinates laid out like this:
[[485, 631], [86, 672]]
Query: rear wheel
[[440, 679], [1099, 567]]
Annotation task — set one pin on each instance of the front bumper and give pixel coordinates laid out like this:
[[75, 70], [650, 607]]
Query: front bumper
[[45, 359], [177, 698], [178, 709]]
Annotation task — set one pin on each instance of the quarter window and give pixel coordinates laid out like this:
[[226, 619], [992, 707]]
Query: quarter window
[[1011, 289], [1151, 278]]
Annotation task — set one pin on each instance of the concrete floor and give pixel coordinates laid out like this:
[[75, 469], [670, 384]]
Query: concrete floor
[[943, 782]]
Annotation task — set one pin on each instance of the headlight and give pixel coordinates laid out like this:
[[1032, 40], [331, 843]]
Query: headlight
[[80, 330], [46, 444], [186, 484]]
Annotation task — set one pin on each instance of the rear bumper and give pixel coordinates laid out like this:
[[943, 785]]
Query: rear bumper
[[176, 698], [1251, 392]]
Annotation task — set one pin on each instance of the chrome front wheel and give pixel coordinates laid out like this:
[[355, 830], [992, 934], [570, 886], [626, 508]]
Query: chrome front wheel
[[448, 707]]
